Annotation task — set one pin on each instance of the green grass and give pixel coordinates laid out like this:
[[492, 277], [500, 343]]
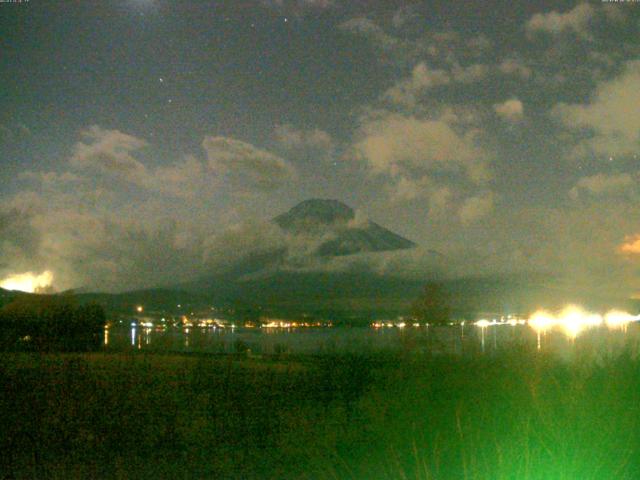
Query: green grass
[[514, 415]]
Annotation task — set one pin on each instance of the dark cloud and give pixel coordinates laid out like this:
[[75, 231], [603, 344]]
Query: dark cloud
[[300, 7], [14, 132], [19, 240]]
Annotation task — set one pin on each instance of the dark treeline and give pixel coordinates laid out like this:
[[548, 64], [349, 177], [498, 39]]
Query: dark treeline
[[50, 323]]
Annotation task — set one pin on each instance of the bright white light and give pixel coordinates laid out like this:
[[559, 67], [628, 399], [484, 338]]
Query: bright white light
[[619, 319], [541, 321], [573, 320], [28, 282]]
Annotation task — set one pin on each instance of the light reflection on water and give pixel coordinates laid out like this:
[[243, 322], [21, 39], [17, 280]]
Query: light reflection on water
[[436, 340]]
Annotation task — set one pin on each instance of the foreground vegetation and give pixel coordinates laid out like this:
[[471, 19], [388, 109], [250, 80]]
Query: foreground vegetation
[[515, 415], [45, 323]]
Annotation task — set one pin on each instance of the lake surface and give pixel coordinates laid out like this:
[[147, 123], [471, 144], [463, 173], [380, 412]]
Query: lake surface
[[600, 340]]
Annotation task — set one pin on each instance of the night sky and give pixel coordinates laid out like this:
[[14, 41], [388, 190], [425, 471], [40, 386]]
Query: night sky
[[150, 141]]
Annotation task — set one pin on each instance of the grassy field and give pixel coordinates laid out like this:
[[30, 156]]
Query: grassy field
[[514, 415]]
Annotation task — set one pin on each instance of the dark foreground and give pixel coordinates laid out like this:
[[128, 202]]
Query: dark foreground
[[515, 415]]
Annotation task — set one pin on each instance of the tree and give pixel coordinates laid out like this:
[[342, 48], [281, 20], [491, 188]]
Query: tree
[[50, 322], [433, 305]]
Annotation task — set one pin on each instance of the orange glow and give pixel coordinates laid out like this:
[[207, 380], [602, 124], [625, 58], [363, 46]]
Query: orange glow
[[28, 282], [631, 245]]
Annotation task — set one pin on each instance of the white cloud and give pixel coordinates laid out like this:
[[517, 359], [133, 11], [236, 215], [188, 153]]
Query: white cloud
[[577, 20], [405, 189], [439, 198], [186, 178], [470, 73], [611, 118], [407, 91], [510, 110], [395, 144], [476, 208], [50, 179], [515, 67], [631, 245], [110, 152], [85, 228], [428, 160], [292, 138], [246, 165], [450, 48], [602, 184], [370, 30], [112, 248]]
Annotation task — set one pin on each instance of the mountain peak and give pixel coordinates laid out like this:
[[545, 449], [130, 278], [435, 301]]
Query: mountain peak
[[316, 211], [332, 222]]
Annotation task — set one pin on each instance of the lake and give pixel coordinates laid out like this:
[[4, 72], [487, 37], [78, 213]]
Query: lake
[[459, 339]]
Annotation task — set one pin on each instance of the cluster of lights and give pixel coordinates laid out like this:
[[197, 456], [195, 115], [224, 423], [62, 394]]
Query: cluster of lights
[[401, 324], [184, 321], [513, 321], [572, 320], [288, 324]]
